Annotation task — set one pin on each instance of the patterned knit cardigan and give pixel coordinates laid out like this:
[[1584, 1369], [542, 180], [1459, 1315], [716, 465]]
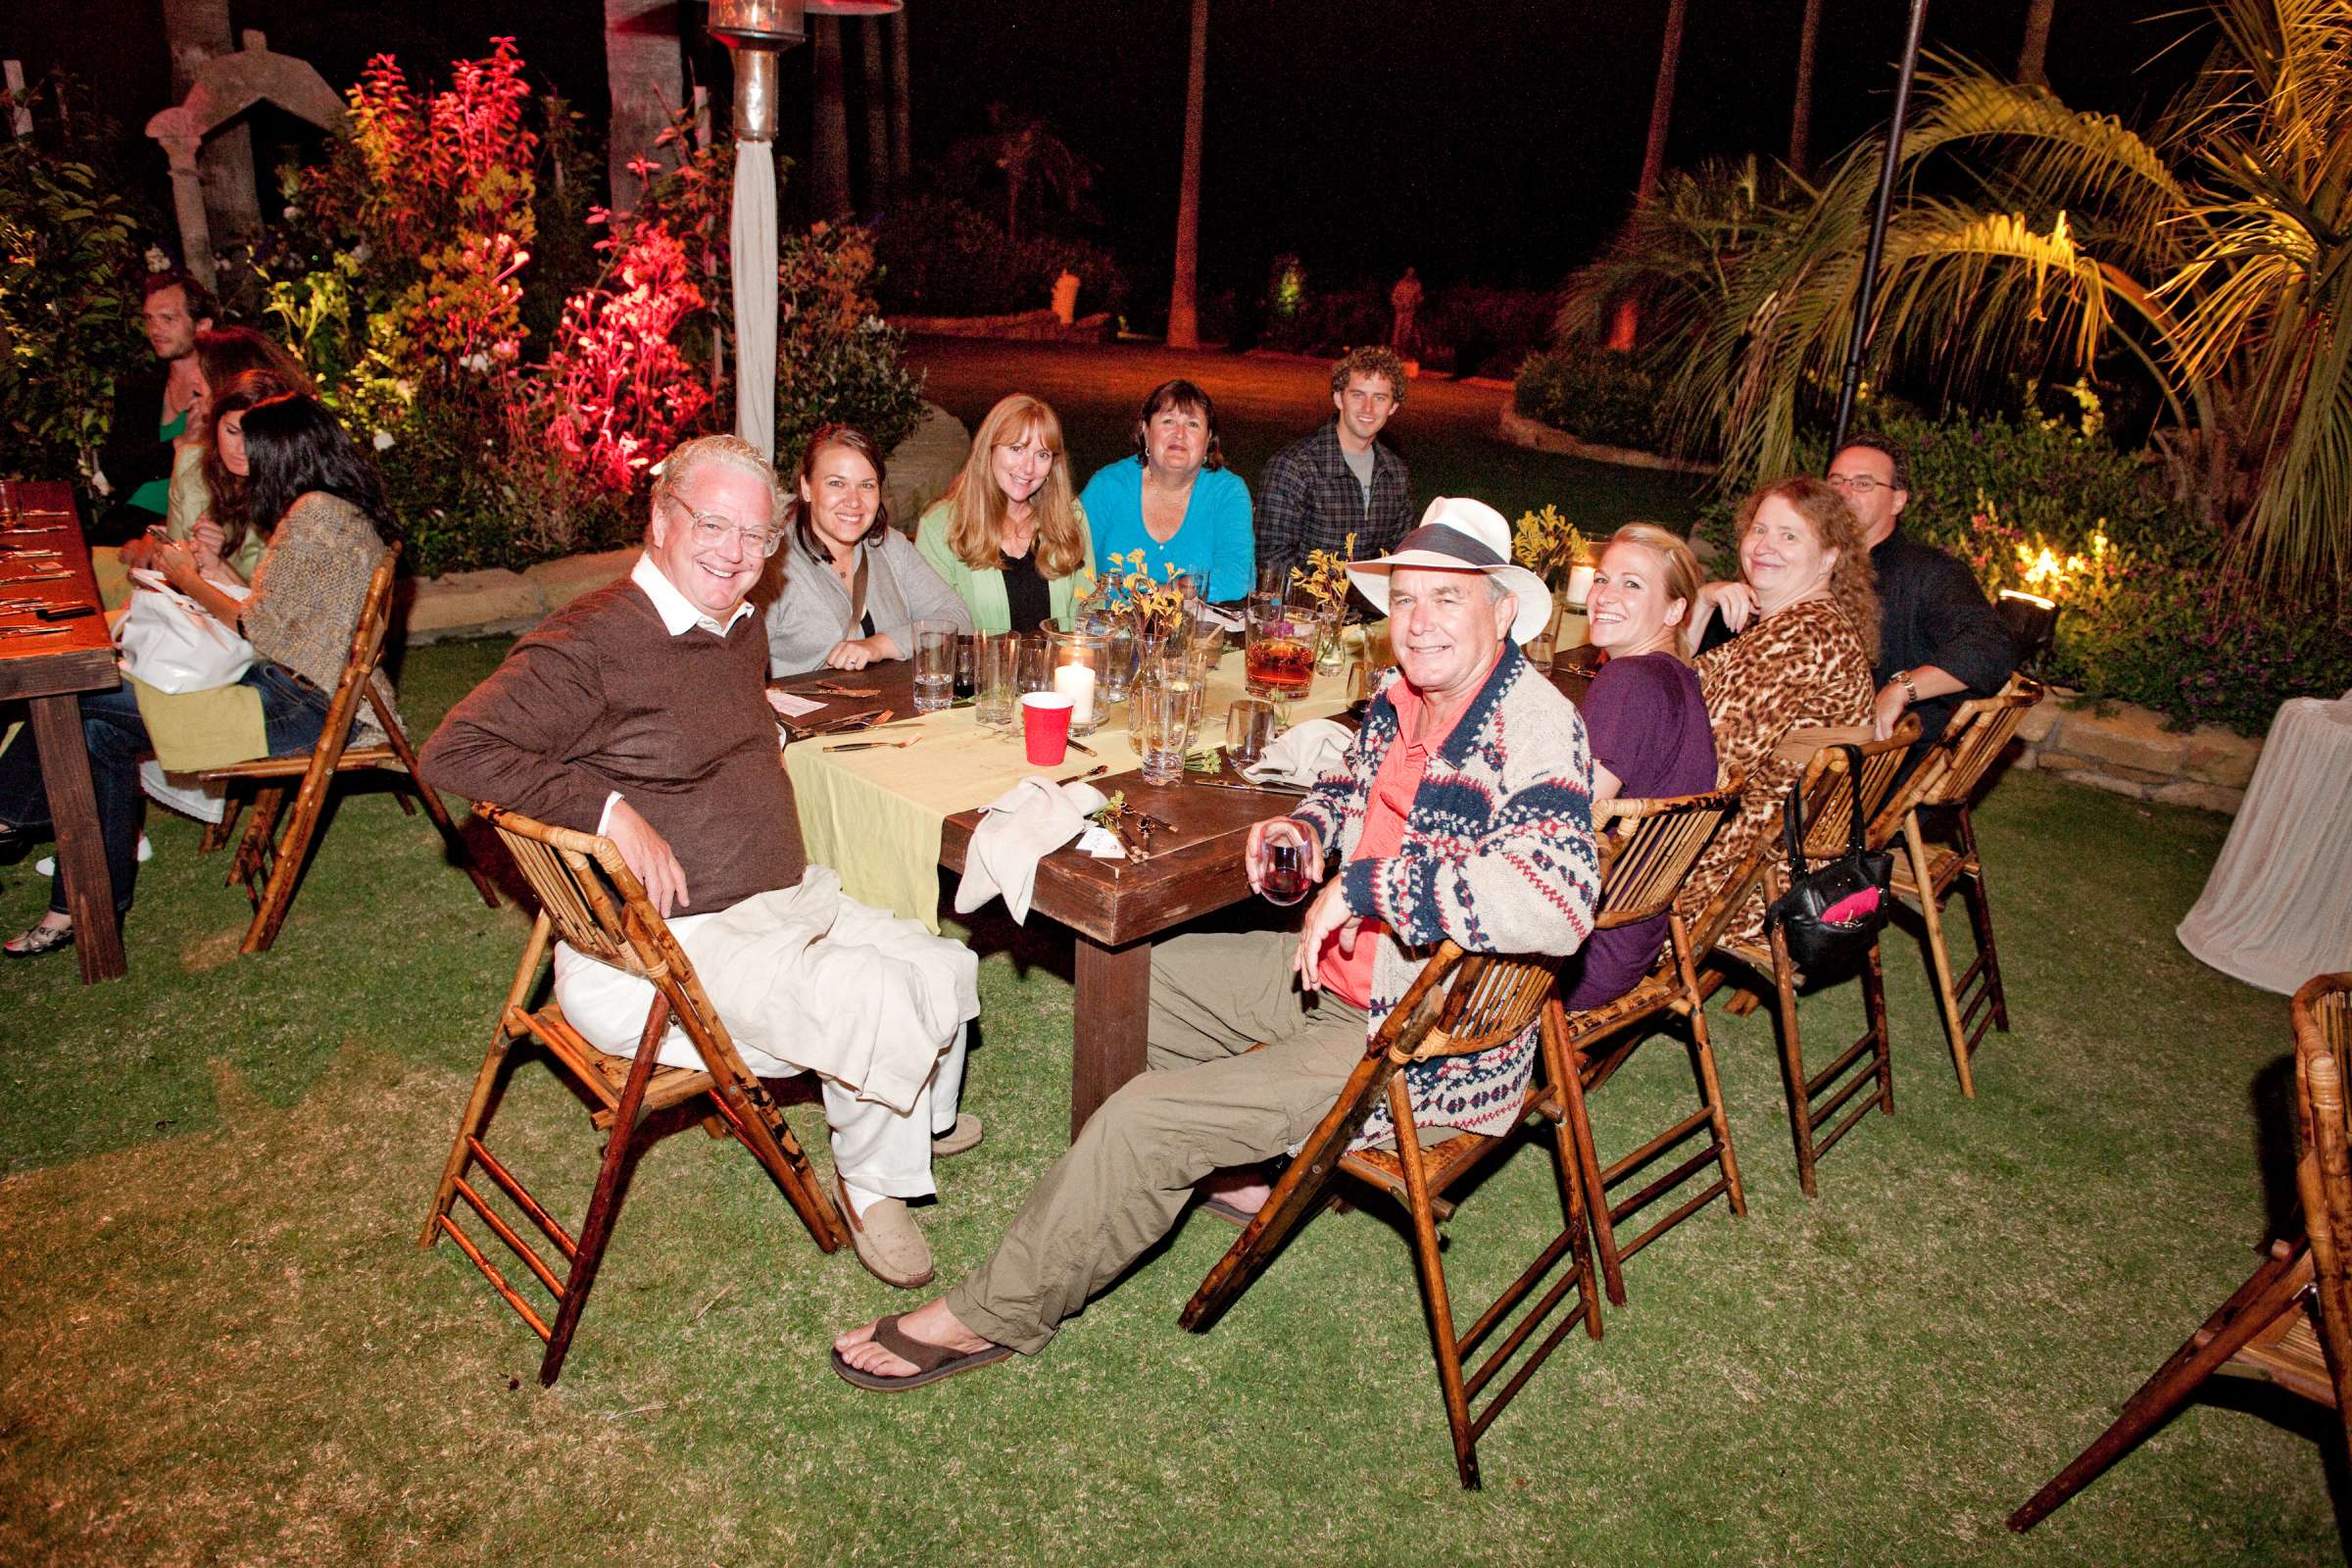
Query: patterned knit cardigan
[[1498, 855]]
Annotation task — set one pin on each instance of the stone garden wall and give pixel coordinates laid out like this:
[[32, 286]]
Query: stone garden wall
[[2127, 750]]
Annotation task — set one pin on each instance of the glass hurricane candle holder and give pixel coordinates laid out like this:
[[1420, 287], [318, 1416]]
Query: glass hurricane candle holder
[[1080, 661]]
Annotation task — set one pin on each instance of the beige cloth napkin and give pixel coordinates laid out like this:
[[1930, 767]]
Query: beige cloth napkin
[[1303, 753], [1021, 827]]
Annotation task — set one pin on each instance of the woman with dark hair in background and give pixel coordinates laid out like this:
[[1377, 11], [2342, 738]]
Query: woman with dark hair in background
[[237, 367], [1175, 501], [322, 511], [854, 586]]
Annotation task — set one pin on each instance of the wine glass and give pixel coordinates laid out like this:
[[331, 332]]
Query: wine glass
[[1285, 878]]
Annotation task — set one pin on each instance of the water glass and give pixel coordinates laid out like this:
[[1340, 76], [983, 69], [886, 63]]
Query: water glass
[[1034, 663], [999, 680], [1170, 720], [1250, 725], [1119, 646], [934, 666]]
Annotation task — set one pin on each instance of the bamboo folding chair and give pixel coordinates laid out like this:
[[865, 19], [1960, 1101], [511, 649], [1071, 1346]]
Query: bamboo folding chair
[[1927, 871], [270, 864], [2290, 1324], [1816, 1097], [590, 899], [1460, 1004], [1651, 848]]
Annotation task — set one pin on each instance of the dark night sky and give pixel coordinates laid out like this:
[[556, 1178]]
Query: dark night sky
[[1492, 143]]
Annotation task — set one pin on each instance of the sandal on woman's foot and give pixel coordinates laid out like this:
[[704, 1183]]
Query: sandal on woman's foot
[[40, 940], [931, 1362]]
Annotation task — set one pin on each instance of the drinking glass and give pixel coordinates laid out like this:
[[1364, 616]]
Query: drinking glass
[[1034, 669], [1286, 877], [967, 667], [934, 666], [1182, 674], [1280, 661], [1118, 657], [1248, 727], [1170, 719], [1331, 645], [1000, 679]]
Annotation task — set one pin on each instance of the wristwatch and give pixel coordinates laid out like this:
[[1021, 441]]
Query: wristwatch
[[1902, 678]]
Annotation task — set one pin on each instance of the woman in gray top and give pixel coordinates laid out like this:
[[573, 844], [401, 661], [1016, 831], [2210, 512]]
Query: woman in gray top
[[854, 586]]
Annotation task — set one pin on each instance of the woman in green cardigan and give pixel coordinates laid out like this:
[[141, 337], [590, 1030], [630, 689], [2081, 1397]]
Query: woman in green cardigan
[[1009, 536]]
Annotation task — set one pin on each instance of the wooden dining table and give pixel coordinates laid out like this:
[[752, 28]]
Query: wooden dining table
[[1115, 908], [48, 662]]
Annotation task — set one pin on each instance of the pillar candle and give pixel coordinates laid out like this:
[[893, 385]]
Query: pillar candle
[[1077, 683], [1579, 584]]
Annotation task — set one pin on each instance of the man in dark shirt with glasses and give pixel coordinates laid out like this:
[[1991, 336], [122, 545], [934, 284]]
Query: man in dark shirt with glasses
[[1939, 643]]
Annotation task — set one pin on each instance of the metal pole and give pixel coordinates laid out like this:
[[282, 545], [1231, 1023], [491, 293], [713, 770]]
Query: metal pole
[[1864, 296]]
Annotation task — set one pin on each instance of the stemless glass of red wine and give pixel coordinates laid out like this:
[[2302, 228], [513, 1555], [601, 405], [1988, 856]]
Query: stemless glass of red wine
[[1285, 880]]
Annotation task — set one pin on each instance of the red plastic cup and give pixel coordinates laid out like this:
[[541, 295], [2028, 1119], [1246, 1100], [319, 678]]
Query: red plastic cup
[[1045, 727]]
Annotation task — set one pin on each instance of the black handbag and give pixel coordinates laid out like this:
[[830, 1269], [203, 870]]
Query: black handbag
[[1833, 914]]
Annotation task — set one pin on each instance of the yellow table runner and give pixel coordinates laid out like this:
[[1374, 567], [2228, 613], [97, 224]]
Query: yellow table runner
[[876, 817]]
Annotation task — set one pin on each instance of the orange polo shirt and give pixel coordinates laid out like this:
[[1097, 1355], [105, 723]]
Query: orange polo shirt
[[1349, 976]]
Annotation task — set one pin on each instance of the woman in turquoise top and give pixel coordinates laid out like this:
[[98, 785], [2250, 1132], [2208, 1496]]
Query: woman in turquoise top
[[1175, 501], [1008, 536]]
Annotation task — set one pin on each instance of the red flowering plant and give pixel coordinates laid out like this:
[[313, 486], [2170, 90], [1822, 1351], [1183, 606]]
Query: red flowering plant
[[616, 391]]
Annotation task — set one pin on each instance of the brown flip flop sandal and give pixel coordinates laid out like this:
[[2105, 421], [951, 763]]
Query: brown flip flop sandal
[[932, 1362]]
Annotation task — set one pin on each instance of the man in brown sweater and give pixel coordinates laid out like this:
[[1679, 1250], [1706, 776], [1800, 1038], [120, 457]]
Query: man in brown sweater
[[637, 713]]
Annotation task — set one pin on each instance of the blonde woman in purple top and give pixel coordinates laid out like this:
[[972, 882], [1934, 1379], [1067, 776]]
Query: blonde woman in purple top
[[1646, 720]]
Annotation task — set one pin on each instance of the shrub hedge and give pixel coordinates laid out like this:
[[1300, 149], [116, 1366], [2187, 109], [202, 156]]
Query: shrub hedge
[[1593, 394]]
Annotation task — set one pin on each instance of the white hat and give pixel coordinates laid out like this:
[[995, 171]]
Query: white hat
[[1458, 534]]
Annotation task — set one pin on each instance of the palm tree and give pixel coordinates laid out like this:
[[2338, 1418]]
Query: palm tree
[[829, 144], [1184, 295], [1653, 156], [195, 30], [2035, 54], [902, 144], [1033, 161], [877, 111], [1800, 121], [2215, 248]]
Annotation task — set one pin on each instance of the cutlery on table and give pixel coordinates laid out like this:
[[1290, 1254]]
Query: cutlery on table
[[1252, 789], [35, 631], [1084, 751], [830, 689], [872, 745], [37, 576]]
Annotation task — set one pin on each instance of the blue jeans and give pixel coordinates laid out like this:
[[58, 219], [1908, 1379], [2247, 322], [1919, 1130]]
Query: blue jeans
[[293, 715]]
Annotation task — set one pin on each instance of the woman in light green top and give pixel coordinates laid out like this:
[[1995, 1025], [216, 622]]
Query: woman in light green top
[[1009, 536]]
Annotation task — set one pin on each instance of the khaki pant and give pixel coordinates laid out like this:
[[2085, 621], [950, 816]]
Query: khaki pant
[[1203, 1106]]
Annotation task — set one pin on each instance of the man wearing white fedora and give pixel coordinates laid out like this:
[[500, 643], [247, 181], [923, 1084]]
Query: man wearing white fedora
[[1462, 809]]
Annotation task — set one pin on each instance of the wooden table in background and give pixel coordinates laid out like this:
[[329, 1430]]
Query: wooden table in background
[[50, 673], [1115, 908]]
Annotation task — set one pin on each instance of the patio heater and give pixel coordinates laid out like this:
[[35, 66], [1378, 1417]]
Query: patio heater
[[1890, 161], [757, 33]]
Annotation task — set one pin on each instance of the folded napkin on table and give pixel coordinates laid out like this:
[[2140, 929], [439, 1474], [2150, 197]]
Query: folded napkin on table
[[1018, 829], [1303, 753]]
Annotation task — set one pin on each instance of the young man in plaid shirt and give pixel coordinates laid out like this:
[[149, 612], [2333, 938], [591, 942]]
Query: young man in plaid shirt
[[1340, 479]]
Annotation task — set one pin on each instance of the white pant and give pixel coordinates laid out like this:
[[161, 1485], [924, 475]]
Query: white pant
[[878, 1151]]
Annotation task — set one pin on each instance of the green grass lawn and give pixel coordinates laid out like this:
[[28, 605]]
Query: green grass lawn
[[219, 1343]]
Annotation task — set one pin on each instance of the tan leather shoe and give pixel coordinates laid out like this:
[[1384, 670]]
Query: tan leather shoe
[[888, 1241], [965, 1134]]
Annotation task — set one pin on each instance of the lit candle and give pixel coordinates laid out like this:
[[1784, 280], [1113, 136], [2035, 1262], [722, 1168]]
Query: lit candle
[[1077, 683], [1579, 584]]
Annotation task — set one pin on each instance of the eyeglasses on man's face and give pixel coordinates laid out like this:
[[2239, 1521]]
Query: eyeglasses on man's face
[[1859, 484], [712, 528]]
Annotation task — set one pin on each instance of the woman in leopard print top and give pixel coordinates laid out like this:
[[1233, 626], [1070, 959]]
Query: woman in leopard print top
[[1808, 623]]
